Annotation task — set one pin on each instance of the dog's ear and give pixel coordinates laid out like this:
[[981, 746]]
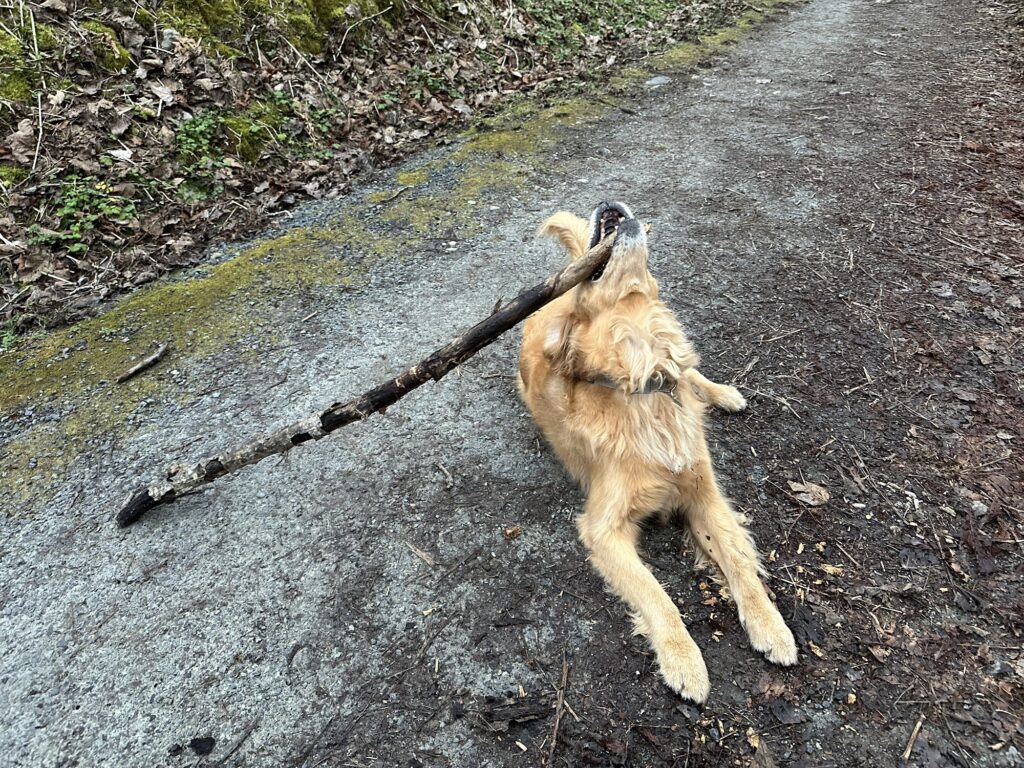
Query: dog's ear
[[568, 229]]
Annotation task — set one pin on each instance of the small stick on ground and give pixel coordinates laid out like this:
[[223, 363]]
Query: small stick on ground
[[39, 131], [426, 557], [181, 480], [148, 362], [350, 27], [395, 194], [246, 733], [450, 481], [913, 739], [619, 107], [559, 708]]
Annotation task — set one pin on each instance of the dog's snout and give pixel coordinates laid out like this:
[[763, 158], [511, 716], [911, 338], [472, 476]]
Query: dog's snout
[[606, 219], [630, 229]]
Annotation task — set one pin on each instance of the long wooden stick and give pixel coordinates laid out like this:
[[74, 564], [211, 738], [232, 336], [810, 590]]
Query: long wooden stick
[[182, 480]]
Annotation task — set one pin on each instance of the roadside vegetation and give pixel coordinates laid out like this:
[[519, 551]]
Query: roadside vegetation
[[132, 132]]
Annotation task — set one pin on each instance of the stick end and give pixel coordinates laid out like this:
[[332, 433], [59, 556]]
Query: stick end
[[138, 504]]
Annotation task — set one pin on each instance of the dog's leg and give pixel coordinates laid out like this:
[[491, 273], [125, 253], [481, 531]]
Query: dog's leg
[[720, 395], [719, 534], [610, 536]]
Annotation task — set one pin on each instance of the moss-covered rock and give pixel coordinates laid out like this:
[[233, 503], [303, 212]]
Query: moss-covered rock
[[303, 23], [110, 54], [246, 134]]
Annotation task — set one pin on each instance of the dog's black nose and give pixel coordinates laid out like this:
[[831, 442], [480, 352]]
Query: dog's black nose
[[629, 229]]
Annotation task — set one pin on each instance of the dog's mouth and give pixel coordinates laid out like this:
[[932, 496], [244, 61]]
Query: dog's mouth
[[604, 221]]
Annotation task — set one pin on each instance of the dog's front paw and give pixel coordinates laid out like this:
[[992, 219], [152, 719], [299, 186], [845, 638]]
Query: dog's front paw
[[769, 634], [730, 399], [683, 669]]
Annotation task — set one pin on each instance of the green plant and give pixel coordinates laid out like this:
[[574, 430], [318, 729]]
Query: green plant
[[424, 81], [8, 337], [388, 99], [84, 204], [563, 25], [193, 191], [195, 137]]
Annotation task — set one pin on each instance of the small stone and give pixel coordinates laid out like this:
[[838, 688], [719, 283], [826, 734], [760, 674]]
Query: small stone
[[168, 38], [202, 745], [657, 82]]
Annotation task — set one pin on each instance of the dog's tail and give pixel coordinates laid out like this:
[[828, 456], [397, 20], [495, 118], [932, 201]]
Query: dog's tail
[[568, 229]]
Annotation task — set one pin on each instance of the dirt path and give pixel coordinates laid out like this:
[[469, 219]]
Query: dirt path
[[836, 216]]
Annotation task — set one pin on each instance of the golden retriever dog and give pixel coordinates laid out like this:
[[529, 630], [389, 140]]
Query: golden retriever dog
[[611, 379]]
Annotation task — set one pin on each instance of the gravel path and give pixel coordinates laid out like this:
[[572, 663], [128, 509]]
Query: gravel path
[[372, 600]]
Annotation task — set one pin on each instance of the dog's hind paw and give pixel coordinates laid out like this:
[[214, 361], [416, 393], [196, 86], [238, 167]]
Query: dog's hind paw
[[683, 669], [730, 399]]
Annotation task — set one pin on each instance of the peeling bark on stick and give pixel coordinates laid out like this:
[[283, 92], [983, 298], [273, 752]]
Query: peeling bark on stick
[[182, 480]]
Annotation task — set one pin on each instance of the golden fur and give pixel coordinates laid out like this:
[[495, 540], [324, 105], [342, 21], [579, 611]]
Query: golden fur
[[637, 454]]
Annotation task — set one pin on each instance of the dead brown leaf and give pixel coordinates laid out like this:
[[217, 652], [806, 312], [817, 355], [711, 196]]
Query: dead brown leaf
[[811, 494]]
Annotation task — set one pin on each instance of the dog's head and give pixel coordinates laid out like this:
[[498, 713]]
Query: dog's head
[[626, 271]]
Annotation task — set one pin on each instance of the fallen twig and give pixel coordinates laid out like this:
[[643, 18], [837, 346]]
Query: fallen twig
[[39, 132], [426, 557], [559, 708], [148, 362], [395, 194], [344, 37], [181, 480], [619, 107], [777, 398], [913, 739], [246, 733]]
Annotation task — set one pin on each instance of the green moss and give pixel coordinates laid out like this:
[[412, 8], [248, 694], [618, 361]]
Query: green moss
[[245, 138], [14, 81], [145, 18], [519, 131], [217, 19], [34, 459], [12, 174], [110, 54], [682, 56], [196, 316], [14, 87], [686, 56], [303, 23], [248, 133], [74, 369], [414, 178], [10, 48], [48, 37], [500, 153], [453, 207]]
